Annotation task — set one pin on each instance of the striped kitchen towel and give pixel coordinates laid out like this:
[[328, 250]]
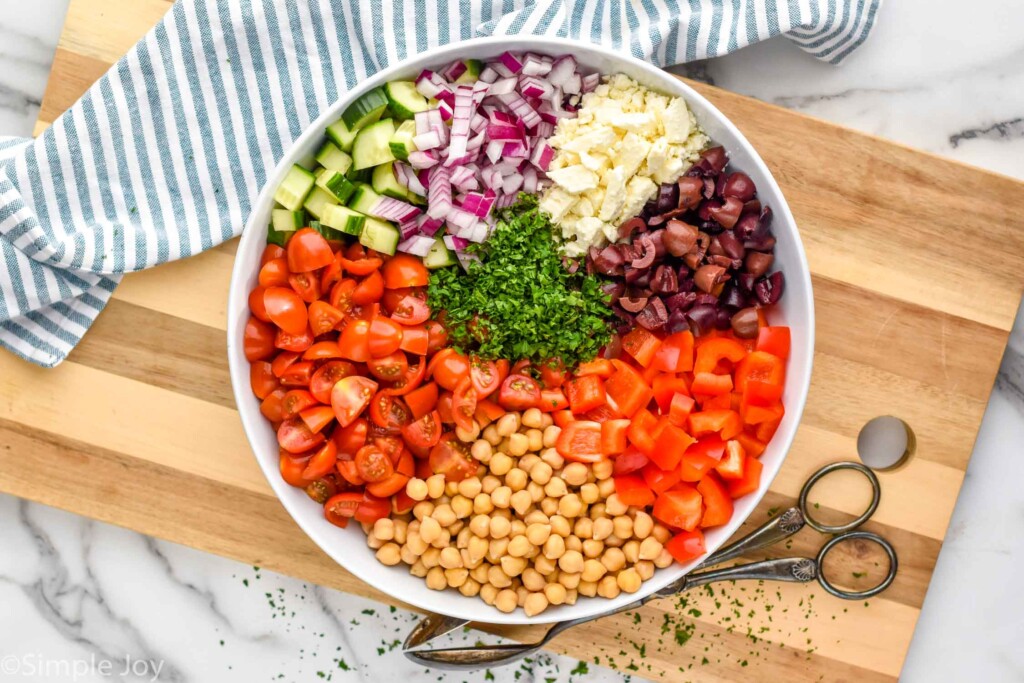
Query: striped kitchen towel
[[165, 154]]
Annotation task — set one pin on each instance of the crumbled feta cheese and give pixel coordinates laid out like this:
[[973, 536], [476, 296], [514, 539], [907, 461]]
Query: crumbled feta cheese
[[610, 159]]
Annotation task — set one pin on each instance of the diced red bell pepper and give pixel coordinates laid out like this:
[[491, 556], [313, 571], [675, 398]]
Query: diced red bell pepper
[[726, 423], [710, 384], [766, 430], [680, 507], [552, 400], [633, 490], [639, 433], [658, 479], [762, 394], [686, 546], [723, 402], [732, 465], [641, 345], [675, 353], [667, 386], [602, 367], [751, 445], [753, 415], [626, 389], [759, 366], [713, 351], [694, 465], [679, 409], [585, 393], [750, 480], [774, 340], [717, 502], [563, 417], [613, 436], [628, 461], [603, 414], [580, 441], [670, 446]]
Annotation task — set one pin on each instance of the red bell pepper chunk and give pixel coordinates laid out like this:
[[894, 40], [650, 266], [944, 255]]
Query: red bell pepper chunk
[[714, 351], [613, 436], [686, 546], [585, 393], [694, 465], [627, 389], [761, 367], [750, 480], [658, 479], [602, 367], [628, 461], [717, 502], [667, 386], [675, 353], [680, 507], [633, 490], [641, 344], [751, 446], [670, 446], [711, 384], [774, 340], [725, 422], [679, 409], [732, 466], [639, 433]]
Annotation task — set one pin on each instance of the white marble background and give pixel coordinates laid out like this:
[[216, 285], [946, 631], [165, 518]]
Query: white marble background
[[72, 590]]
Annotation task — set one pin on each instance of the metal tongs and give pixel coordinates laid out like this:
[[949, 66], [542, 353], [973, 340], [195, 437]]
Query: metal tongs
[[791, 569]]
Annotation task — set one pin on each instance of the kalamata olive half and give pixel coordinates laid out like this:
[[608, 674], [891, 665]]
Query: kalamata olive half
[[758, 263], [744, 323], [690, 192], [769, 289], [633, 304], [728, 213], [679, 237], [708, 276], [739, 185]]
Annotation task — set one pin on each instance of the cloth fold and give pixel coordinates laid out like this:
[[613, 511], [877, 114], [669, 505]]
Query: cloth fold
[[164, 156]]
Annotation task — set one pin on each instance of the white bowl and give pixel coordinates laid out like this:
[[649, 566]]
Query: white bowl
[[348, 546]]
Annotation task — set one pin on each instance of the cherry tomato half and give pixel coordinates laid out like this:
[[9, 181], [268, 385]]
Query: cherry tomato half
[[519, 392], [451, 458], [308, 250], [373, 464], [350, 396], [405, 270]]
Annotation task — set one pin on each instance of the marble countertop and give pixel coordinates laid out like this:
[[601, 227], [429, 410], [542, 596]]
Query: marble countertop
[[87, 601]]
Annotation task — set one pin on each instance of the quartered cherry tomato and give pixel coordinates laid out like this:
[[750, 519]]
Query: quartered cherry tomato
[[326, 376], [519, 392], [350, 396], [451, 458], [405, 270], [389, 368], [485, 376], [464, 405], [373, 464], [424, 432], [411, 311]]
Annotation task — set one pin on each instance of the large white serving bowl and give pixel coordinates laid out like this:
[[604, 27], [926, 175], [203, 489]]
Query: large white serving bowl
[[348, 546]]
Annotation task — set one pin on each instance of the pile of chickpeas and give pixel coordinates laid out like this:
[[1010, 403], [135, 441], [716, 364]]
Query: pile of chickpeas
[[529, 530]]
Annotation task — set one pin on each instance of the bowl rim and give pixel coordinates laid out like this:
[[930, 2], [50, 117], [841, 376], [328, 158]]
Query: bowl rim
[[239, 366]]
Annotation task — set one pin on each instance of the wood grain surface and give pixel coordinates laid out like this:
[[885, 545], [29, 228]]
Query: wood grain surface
[[914, 306]]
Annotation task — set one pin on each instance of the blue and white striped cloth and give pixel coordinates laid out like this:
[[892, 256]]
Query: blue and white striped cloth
[[164, 156]]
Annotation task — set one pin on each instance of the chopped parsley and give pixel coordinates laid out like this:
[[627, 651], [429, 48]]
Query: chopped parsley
[[519, 301]]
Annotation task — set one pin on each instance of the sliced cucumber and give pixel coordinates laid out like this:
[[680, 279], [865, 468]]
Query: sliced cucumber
[[317, 200], [401, 142], [284, 220], [404, 100], [371, 147], [341, 136], [336, 184], [293, 189], [363, 199], [472, 72], [365, 110], [333, 159], [439, 256], [344, 219], [379, 235], [384, 182], [277, 237], [363, 175]]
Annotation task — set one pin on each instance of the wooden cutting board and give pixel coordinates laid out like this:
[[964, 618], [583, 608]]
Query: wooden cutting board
[[918, 266]]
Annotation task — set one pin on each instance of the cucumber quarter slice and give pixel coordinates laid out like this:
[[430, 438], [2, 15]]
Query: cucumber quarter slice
[[317, 200], [284, 220], [293, 189], [332, 158], [363, 199], [372, 147], [401, 142], [439, 256], [385, 183], [379, 235], [344, 219], [341, 136], [365, 110], [336, 184], [403, 99]]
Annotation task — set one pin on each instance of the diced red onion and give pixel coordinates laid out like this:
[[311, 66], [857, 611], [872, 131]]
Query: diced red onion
[[439, 197], [535, 65], [488, 75], [531, 86], [530, 179], [417, 245], [454, 70], [427, 225], [426, 84], [409, 229], [392, 209], [521, 108], [423, 159], [542, 155], [455, 243], [511, 62], [427, 141], [590, 81], [512, 182]]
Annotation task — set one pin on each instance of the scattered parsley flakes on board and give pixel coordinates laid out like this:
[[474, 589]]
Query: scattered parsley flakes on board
[[519, 300]]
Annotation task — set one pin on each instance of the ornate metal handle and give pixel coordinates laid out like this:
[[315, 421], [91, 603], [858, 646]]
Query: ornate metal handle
[[794, 569]]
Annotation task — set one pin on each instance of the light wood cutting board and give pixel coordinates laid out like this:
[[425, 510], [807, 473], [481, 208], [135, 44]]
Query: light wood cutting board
[[138, 427]]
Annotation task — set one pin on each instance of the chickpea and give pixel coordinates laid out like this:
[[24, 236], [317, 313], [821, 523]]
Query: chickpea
[[401, 531], [520, 546], [435, 486], [554, 547], [482, 504], [544, 565], [374, 542], [583, 528], [521, 501], [536, 517], [418, 569], [476, 550], [587, 588], [533, 418], [431, 557], [541, 473], [590, 494], [602, 469], [488, 593], [496, 549], [570, 581], [462, 540], [461, 506], [664, 559], [501, 497], [614, 542], [468, 488], [606, 487], [518, 444], [551, 434], [430, 530], [506, 600], [451, 488], [555, 593], [521, 594], [645, 568], [481, 450], [622, 526], [444, 515], [614, 505], [450, 558], [560, 525], [608, 587], [423, 509], [535, 603], [553, 458], [549, 506], [513, 566], [468, 435], [603, 528], [503, 512], [571, 561], [436, 580], [479, 572], [527, 462], [516, 479], [532, 579], [592, 548], [650, 548], [631, 549], [538, 534], [570, 506], [500, 527], [613, 559], [661, 533], [507, 424], [490, 435], [556, 488], [535, 439], [629, 580], [456, 576], [500, 464], [480, 525], [416, 489], [408, 556], [575, 474], [496, 577], [416, 543], [593, 570], [389, 554]]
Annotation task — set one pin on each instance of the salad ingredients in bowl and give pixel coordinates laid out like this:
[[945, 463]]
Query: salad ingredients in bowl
[[526, 326]]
